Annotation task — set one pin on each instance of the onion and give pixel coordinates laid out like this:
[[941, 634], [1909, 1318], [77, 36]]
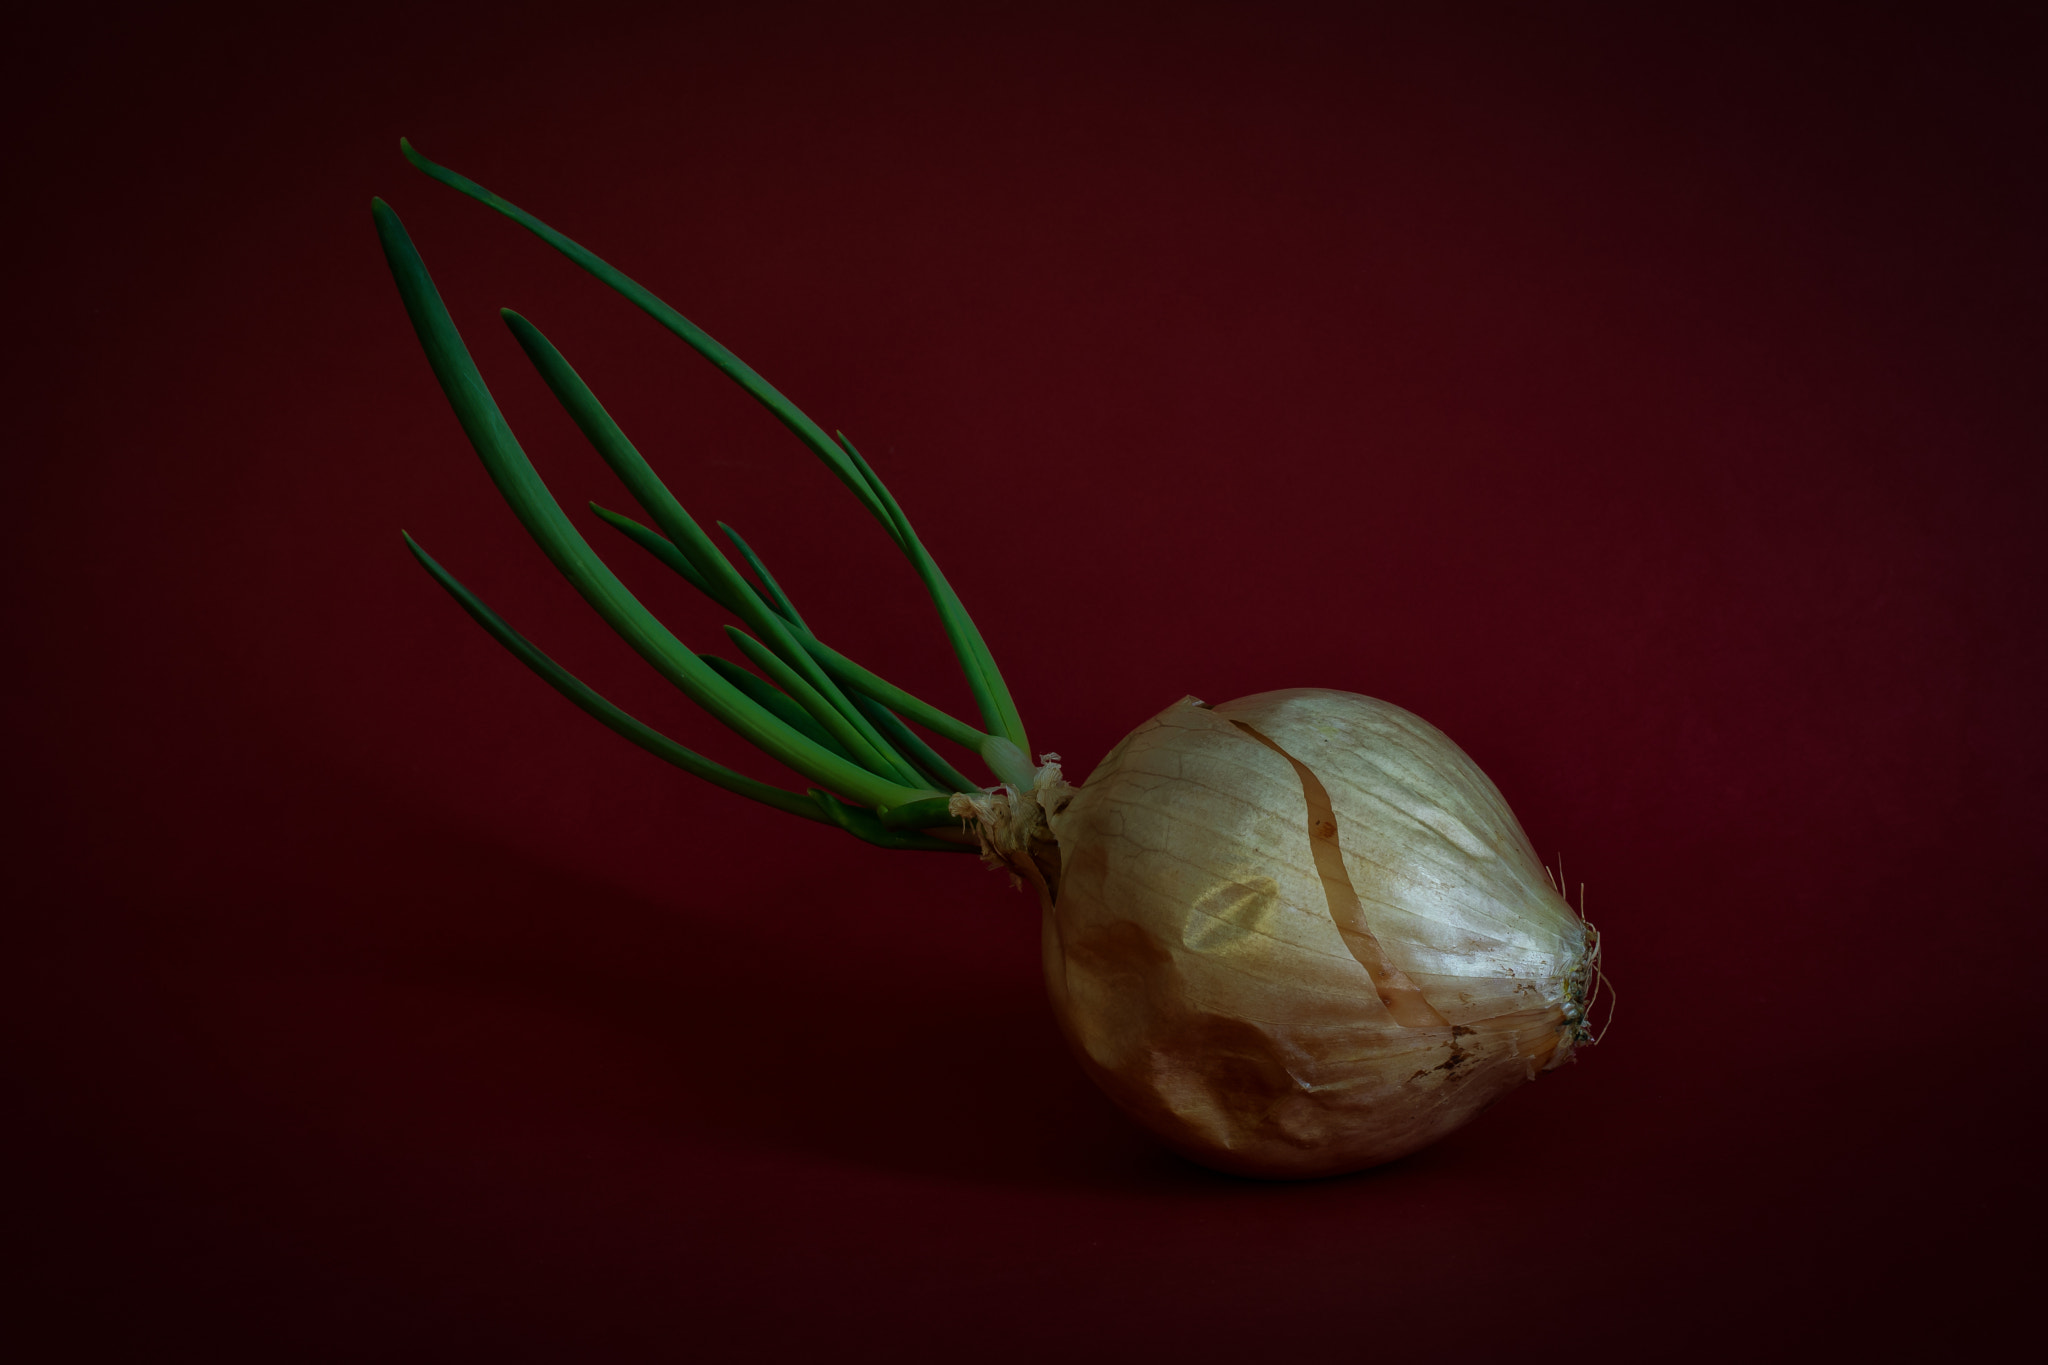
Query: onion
[[1301, 933], [1293, 935]]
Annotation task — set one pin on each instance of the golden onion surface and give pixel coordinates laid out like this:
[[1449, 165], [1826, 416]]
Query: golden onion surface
[[1301, 933]]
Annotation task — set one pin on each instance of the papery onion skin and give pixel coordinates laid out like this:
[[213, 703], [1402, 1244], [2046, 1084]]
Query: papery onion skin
[[1196, 961]]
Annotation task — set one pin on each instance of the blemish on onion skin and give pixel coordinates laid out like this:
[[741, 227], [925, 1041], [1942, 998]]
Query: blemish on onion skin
[[1402, 997]]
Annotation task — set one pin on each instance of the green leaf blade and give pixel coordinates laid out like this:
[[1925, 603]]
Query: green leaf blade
[[605, 713], [991, 692], [768, 698], [776, 595], [883, 702], [784, 411], [524, 492], [818, 694], [864, 825]]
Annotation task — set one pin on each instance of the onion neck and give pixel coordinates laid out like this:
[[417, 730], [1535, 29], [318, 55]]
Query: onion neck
[[1011, 824]]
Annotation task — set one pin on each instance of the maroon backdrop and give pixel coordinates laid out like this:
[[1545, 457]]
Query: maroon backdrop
[[1655, 405]]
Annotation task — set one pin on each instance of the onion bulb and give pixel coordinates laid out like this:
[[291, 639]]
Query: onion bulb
[[1292, 935], [1301, 933]]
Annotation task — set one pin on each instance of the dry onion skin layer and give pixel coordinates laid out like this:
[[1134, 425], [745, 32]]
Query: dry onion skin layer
[[1301, 934], [1293, 935]]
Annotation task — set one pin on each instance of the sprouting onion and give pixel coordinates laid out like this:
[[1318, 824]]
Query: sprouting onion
[[1295, 934]]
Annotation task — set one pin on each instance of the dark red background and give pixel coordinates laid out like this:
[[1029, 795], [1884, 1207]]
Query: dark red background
[[1654, 404]]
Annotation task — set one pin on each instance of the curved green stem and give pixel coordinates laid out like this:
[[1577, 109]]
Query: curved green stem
[[776, 596], [908, 742], [698, 340], [991, 693], [845, 670], [821, 697], [537, 510], [769, 699], [863, 824], [608, 715]]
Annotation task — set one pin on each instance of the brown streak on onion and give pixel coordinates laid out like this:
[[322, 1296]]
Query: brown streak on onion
[[1402, 997]]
